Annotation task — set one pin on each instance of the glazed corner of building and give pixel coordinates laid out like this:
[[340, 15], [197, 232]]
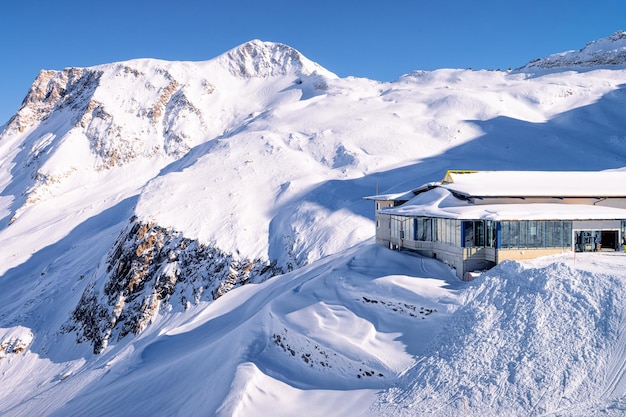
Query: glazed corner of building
[[473, 220]]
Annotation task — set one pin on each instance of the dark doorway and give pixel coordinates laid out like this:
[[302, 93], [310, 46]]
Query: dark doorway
[[608, 239]]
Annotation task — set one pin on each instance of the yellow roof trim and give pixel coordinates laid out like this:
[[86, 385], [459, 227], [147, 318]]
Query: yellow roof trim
[[448, 178]]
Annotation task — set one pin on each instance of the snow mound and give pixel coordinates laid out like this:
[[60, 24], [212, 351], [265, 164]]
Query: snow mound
[[609, 51], [527, 341]]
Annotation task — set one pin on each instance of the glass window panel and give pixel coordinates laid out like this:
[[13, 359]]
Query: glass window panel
[[567, 234], [523, 234], [419, 229], [539, 239], [491, 234], [505, 235], [514, 230], [532, 233], [549, 235], [468, 234], [558, 234], [479, 228]]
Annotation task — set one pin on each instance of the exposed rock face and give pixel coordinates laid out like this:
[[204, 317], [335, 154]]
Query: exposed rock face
[[14, 341], [267, 59], [77, 126], [161, 124], [150, 269], [54, 90]]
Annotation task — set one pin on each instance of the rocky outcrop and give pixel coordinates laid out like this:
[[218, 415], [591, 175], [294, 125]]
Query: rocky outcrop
[[269, 59], [150, 270], [14, 341], [54, 90], [609, 51]]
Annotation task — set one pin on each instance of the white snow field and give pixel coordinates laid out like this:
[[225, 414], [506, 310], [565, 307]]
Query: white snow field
[[259, 160]]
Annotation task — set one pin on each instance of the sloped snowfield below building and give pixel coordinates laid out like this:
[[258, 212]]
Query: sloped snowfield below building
[[367, 332]]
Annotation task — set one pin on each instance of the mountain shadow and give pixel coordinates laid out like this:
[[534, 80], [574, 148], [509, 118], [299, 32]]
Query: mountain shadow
[[588, 138]]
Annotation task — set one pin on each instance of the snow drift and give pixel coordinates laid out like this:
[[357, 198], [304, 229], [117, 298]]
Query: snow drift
[[527, 341]]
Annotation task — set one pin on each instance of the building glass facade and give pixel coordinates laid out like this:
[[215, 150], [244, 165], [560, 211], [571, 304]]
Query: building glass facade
[[529, 234], [515, 234]]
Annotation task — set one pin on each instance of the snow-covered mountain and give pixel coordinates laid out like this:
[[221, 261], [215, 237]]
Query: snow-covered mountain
[[609, 51], [145, 205]]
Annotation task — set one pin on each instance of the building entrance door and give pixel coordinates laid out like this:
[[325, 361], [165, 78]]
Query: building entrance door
[[594, 240], [609, 239]]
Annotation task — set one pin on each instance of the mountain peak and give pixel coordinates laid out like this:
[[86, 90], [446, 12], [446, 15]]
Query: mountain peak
[[265, 59], [606, 51]]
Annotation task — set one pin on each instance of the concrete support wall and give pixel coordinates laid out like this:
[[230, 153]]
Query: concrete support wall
[[525, 254]]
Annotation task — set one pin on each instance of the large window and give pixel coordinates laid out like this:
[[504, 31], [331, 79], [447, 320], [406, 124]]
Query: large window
[[535, 234], [399, 227], [422, 229], [448, 231], [479, 233], [412, 228]]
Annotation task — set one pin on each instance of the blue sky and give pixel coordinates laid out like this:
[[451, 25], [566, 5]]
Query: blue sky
[[375, 39]]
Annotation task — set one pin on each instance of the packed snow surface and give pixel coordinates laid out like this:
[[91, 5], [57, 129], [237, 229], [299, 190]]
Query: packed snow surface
[[366, 332], [262, 155]]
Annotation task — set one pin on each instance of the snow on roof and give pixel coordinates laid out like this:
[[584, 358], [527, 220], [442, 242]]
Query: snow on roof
[[404, 195], [537, 183], [440, 202], [391, 197]]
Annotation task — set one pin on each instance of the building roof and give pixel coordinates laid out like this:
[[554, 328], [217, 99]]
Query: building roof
[[536, 183], [442, 199], [440, 202], [405, 195]]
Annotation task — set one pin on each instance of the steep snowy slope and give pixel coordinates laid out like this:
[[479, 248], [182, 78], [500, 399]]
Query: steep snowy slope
[[133, 195], [335, 329]]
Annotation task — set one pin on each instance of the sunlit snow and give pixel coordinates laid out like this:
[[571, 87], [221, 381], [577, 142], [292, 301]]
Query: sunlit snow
[[265, 155]]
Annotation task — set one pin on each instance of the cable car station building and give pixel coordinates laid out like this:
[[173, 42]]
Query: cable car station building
[[473, 220]]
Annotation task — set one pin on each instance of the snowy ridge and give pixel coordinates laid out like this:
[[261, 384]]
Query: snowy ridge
[[269, 59], [137, 199], [609, 51]]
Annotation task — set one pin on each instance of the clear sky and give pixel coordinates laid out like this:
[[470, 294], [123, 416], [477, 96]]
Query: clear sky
[[375, 39]]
